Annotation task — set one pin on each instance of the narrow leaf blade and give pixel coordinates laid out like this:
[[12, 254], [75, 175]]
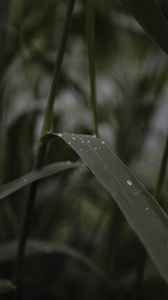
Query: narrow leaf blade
[[17, 184], [162, 171], [90, 30]]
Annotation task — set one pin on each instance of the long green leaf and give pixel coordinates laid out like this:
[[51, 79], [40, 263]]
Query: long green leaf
[[151, 18], [143, 213], [13, 186]]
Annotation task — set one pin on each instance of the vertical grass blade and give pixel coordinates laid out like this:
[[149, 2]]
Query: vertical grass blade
[[57, 68], [151, 18], [42, 148], [90, 31], [162, 171]]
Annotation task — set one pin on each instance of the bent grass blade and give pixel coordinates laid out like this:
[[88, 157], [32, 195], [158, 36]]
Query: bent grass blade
[[90, 31], [141, 210], [13, 186]]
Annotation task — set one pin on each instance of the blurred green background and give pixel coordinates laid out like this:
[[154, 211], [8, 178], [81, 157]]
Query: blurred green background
[[72, 211]]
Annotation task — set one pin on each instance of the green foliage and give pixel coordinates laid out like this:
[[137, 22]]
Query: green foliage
[[90, 28], [60, 63], [162, 172]]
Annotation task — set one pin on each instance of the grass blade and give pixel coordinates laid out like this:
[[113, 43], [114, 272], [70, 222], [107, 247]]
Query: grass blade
[[90, 31], [151, 18], [162, 171], [141, 210], [57, 68], [17, 184], [41, 151]]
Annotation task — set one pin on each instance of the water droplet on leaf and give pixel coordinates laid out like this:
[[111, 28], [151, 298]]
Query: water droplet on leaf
[[60, 134], [129, 182]]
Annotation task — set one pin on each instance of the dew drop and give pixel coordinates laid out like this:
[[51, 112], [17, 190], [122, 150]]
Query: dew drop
[[69, 143], [60, 134], [147, 208], [88, 142], [95, 148], [103, 142], [73, 138], [129, 182], [80, 150], [93, 136], [82, 142]]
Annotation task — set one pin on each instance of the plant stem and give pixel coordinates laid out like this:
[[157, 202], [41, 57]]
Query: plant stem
[[157, 193], [90, 31], [41, 151], [162, 171]]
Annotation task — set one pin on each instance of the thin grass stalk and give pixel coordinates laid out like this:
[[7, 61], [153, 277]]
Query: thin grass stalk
[[90, 32], [157, 193], [162, 171], [41, 151]]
